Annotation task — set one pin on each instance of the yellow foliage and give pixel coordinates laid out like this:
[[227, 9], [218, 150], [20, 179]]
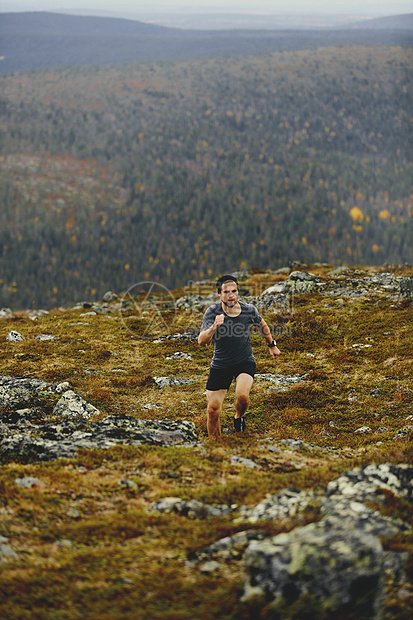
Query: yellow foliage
[[356, 214], [384, 214]]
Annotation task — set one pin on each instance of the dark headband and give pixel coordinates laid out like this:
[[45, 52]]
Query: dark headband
[[226, 278]]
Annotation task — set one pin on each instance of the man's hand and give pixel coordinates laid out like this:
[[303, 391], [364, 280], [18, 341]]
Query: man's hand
[[219, 319], [274, 352], [206, 336]]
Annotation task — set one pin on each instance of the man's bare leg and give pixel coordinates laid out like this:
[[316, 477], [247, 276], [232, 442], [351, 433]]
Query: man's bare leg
[[214, 408], [242, 393]]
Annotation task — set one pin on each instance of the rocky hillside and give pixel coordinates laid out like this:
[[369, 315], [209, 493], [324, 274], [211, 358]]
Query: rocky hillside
[[114, 504]]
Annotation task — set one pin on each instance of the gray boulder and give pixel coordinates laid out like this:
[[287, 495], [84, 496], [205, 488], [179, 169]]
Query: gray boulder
[[71, 404], [366, 483], [341, 568], [301, 282], [17, 392], [338, 564], [195, 302]]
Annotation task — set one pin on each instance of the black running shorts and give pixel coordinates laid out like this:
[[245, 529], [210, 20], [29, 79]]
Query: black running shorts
[[221, 378]]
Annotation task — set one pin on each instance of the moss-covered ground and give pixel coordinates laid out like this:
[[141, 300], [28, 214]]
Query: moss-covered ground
[[86, 544]]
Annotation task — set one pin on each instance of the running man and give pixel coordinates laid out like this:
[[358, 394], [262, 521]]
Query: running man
[[228, 324]]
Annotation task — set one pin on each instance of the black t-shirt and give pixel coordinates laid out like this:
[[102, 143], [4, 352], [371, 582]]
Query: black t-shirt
[[232, 338]]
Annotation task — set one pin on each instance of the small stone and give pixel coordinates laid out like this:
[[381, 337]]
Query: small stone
[[62, 387], [45, 337], [6, 313], [74, 513], [7, 552], [64, 544], [163, 382], [209, 567], [14, 337], [179, 356], [239, 460], [172, 475], [28, 482], [128, 484], [109, 296]]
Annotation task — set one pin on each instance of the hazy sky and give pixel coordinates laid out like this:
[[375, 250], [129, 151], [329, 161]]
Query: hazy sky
[[307, 7]]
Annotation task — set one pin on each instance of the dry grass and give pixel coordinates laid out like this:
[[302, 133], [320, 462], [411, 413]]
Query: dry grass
[[125, 562]]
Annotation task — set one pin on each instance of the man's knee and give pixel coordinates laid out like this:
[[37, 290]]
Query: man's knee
[[213, 410]]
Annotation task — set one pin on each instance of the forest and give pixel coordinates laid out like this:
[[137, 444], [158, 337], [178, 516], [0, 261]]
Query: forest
[[174, 171]]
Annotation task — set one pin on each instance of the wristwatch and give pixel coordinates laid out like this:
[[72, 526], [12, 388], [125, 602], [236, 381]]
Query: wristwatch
[[272, 344]]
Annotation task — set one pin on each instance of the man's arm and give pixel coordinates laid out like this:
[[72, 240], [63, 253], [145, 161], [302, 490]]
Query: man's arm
[[266, 334], [207, 334]]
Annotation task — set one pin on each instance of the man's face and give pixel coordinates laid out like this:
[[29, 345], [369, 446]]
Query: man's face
[[229, 293]]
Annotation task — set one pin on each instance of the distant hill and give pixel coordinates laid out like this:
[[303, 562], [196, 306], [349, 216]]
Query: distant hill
[[41, 40], [395, 22], [39, 22]]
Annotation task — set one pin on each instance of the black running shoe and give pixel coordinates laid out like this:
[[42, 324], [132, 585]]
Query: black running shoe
[[239, 424]]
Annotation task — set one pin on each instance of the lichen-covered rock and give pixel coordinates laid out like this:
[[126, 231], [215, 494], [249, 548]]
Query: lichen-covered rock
[[195, 302], [71, 404], [363, 483], [386, 281], [109, 296], [281, 382], [45, 337], [189, 508], [45, 442], [18, 392], [406, 287], [341, 567], [14, 336], [286, 503], [338, 561], [230, 547], [301, 282], [275, 289], [338, 509], [28, 482], [179, 355], [241, 460], [163, 382]]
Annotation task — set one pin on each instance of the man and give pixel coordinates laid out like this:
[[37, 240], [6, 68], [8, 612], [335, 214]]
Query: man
[[228, 324]]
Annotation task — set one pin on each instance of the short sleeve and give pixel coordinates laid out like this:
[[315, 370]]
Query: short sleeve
[[256, 317], [209, 318]]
